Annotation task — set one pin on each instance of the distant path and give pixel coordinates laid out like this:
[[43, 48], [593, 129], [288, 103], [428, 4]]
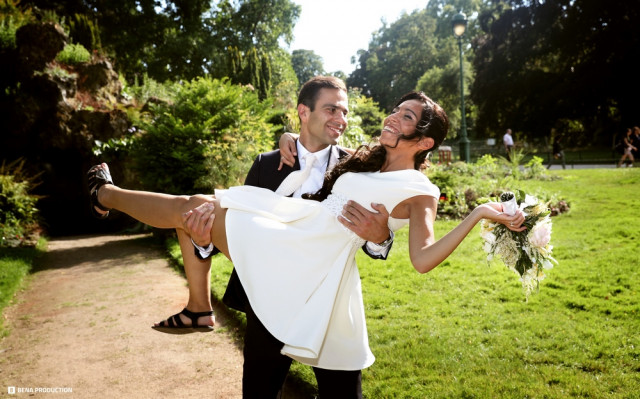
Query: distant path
[[84, 323]]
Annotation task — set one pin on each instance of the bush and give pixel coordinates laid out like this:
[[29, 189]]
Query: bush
[[206, 138], [8, 33], [368, 112], [11, 19], [73, 54], [464, 186], [19, 215], [148, 89]]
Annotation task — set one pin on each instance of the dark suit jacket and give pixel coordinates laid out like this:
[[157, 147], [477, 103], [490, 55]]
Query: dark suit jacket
[[264, 173]]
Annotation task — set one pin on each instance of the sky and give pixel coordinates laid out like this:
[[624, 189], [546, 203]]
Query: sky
[[336, 29]]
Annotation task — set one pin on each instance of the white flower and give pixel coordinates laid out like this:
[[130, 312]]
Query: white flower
[[488, 237], [529, 200], [546, 264]]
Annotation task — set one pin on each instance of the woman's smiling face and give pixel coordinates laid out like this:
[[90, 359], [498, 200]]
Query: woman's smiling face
[[401, 122]]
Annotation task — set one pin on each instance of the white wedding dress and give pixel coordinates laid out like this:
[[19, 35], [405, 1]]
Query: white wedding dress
[[297, 264]]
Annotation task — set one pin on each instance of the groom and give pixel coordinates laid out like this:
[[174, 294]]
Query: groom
[[322, 108]]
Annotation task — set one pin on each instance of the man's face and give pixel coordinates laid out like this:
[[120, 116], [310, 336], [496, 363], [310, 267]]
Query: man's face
[[324, 125]]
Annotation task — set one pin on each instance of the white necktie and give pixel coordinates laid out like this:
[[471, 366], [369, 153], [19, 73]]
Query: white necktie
[[295, 179]]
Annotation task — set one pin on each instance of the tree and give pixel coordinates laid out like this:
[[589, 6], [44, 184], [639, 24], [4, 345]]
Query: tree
[[442, 84], [306, 64], [179, 39], [340, 75], [401, 53], [540, 64], [398, 55], [284, 86]]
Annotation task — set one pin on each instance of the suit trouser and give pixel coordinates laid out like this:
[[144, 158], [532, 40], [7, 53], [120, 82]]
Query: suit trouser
[[265, 368]]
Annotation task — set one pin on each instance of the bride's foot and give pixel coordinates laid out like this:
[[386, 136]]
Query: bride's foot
[[187, 322], [98, 176]]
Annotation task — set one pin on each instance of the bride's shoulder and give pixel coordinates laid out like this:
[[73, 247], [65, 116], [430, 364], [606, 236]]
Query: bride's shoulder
[[421, 182]]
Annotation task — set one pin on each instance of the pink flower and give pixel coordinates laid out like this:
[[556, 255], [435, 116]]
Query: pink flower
[[540, 234]]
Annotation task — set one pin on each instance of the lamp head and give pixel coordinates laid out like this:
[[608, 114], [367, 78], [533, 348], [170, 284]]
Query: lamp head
[[459, 23]]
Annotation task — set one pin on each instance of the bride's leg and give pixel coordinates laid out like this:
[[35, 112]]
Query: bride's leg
[[163, 210], [155, 209], [198, 273]]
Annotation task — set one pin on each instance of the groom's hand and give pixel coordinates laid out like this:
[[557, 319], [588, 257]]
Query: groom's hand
[[198, 222], [370, 226]]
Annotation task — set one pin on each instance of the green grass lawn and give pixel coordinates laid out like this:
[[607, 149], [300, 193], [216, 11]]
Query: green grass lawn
[[15, 265], [464, 330]]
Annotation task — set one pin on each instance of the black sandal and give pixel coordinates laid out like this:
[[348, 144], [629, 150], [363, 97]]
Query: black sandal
[[98, 177], [174, 324]]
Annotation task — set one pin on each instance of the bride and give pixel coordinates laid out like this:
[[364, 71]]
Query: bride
[[294, 258]]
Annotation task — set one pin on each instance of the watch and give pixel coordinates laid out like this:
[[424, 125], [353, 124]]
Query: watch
[[388, 240]]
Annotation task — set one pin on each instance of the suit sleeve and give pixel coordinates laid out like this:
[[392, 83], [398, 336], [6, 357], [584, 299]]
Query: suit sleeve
[[253, 177], [377, 255]]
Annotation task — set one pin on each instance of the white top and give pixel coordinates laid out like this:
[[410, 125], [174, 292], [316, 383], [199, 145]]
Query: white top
[[507, 139], [297, 265]]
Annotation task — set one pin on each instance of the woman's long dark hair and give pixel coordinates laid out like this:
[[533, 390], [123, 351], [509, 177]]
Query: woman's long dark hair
[[433, 123]]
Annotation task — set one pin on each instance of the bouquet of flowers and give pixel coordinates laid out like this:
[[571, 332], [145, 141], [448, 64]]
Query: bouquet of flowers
[[528, 252]]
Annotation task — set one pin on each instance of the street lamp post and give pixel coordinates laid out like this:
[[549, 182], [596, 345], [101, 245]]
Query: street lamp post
[[459, 26]]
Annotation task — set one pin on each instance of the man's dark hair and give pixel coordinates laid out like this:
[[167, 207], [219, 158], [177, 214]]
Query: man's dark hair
[[311, 89]]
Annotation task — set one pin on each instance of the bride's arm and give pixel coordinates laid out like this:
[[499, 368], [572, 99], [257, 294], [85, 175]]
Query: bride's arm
[[425, 252]]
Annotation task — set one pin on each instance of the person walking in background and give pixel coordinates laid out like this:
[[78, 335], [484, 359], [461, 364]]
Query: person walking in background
[[635, 141], [628, 149], [557, 153], [507, 139]]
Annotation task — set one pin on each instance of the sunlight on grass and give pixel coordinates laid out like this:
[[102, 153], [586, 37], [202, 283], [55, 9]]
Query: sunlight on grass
[[464, 330]]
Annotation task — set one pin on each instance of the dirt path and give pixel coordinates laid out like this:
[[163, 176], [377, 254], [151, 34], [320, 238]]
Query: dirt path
[[83, 323]]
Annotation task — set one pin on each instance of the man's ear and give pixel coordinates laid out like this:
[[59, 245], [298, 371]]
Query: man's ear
[[425, 143], [303, 112]]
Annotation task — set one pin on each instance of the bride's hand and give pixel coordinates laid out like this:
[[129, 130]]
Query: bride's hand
[[493, 211], [288, 151]]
